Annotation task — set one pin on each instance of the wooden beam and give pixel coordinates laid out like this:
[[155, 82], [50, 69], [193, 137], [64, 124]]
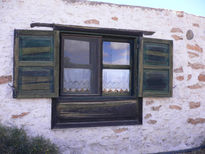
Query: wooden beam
[[98, 30]]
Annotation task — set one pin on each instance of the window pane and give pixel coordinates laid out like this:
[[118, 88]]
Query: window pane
[[116, 81], [117, 53], [76, 52], [76, 80]]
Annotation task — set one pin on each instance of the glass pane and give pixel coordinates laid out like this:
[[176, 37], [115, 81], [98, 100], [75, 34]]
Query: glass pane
[[116, 81], [76, 80], [76, 52], [117, 53]]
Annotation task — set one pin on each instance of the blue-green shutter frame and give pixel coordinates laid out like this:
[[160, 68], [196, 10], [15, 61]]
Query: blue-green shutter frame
[[155, 68], [36, 64]]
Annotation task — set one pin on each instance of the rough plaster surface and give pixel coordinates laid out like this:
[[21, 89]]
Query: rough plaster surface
[[166, 121]]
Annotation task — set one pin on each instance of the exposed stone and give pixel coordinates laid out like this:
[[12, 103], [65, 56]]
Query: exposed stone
[[180, 14], [195, 86], [176, 107], [148, 115], [176, 30], [120, 130], [20, 115], [196, 121], [113, 137], [178, 70], [189, 77], [201, 77], [5, 79], [195, 25], [156, 108], [196, 66], [125, 138], [152, 122], [180, 78], [176, 37], [195, 47], [149, 102], [189, 35], [193, 105], [192, 54], [115, 18], [92, 21]]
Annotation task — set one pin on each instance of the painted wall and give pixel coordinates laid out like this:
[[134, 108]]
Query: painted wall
[[168, 123]]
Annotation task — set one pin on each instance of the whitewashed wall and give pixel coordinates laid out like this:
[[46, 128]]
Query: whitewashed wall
[[168, 123]]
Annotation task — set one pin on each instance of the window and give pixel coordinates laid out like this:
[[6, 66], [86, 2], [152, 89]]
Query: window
[[79, 64], [95, 77], [117, 67], [96, 66]]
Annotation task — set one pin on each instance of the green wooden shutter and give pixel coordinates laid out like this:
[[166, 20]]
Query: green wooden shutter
[[155, 68], [36, 64]]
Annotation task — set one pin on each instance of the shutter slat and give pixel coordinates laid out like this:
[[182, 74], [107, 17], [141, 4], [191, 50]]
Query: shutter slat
[[35, 64], [36, 86], [35, 50], [35, 79]]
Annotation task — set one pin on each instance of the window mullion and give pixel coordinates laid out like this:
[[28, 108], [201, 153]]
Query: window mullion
[[79, 66], [106, 66]]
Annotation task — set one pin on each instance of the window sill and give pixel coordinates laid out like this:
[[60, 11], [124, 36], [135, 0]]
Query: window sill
[[96, 124], [94, 98]]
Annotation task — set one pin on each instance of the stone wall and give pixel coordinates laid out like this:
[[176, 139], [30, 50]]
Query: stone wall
[[168, 123]]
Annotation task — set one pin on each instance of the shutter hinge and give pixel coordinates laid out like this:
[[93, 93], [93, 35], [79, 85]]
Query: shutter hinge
[[16, 33], [138, 43], [14, 90]]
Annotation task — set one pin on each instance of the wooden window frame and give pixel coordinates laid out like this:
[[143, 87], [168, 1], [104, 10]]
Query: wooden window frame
[[133, 40], [126, 67], [92, 55]]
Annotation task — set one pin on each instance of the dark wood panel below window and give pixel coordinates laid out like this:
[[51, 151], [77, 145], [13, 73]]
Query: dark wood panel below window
[[83, 114]]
